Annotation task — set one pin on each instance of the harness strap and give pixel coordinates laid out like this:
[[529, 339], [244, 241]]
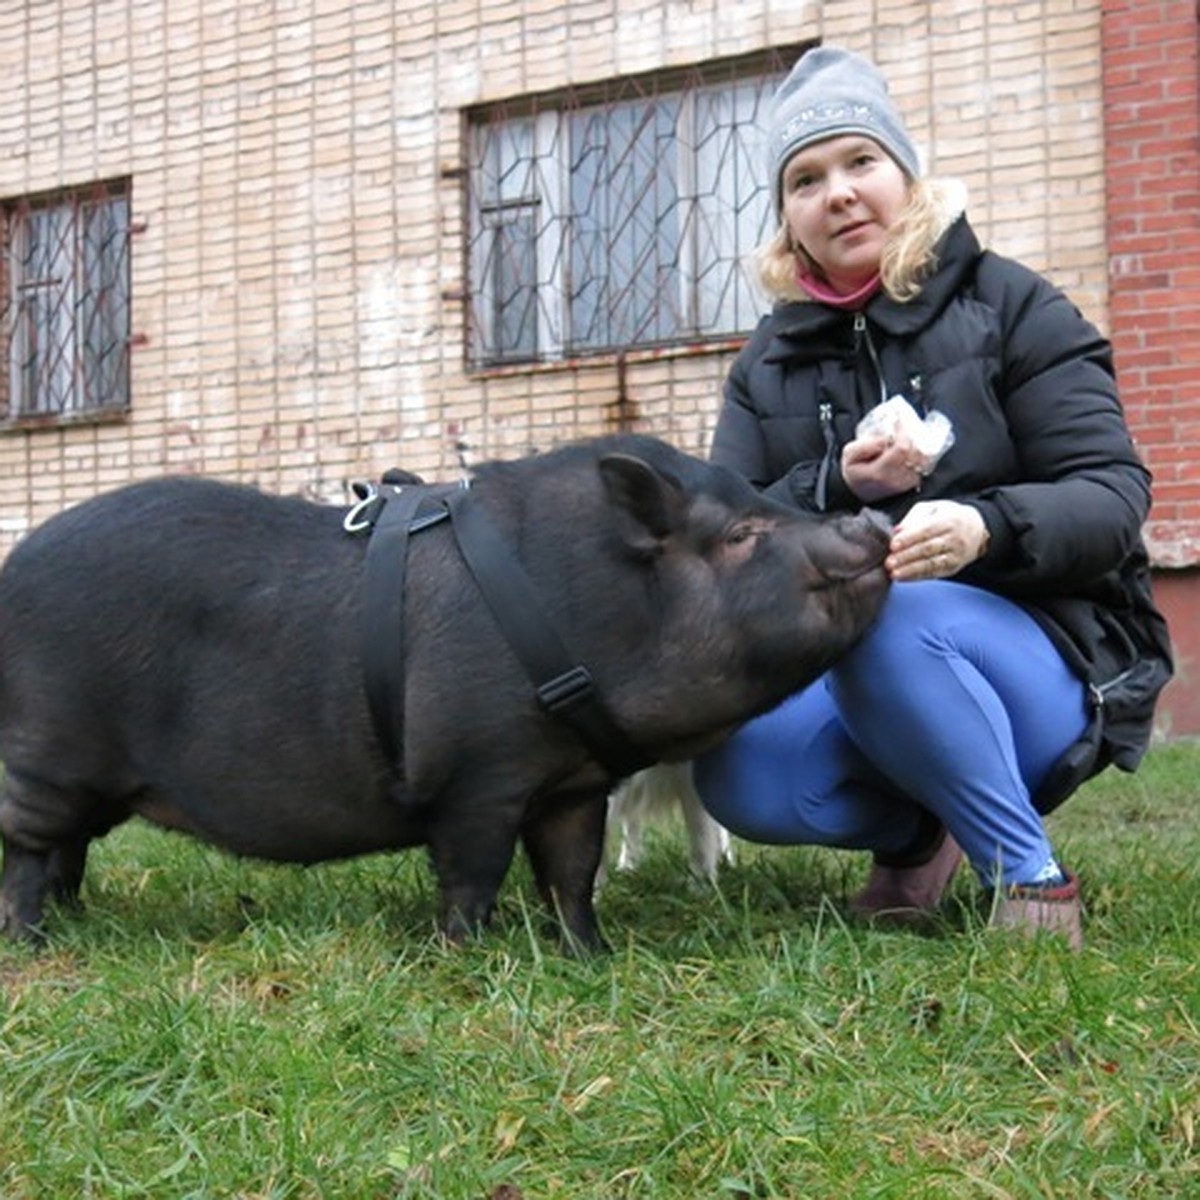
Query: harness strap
[[564, 686], [383, 614]]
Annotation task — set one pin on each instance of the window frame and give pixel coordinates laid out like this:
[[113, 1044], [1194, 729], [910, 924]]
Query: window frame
[[81, 240], [679, 315]]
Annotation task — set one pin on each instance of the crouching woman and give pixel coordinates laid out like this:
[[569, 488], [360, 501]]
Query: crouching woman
[[905, 368]]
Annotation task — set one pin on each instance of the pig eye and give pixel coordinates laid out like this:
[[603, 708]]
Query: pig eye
[[742, 533]]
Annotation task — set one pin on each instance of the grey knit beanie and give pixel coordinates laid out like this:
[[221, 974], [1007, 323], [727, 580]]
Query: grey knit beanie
[[833, 91]]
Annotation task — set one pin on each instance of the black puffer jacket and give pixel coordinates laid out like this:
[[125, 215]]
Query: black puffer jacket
[[1041, 450]]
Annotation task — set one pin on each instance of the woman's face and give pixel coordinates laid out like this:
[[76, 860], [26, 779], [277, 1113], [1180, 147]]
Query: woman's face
[[840, 199]]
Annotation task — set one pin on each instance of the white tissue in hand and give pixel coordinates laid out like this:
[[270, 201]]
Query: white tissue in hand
[[932, 435]]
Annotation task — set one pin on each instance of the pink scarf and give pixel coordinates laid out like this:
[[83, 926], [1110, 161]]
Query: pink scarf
[[847, 300]]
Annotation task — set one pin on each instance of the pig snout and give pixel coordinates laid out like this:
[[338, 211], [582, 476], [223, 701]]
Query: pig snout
[[857, 545], [879, 522]]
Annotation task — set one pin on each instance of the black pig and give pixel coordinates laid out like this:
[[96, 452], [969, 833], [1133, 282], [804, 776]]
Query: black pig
[[190, 651]]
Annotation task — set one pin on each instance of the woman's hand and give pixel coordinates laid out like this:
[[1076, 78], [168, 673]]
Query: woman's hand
[[879, 466], [935, 540]]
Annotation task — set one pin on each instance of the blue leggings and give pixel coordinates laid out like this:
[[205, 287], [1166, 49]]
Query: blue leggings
[[955, 702]]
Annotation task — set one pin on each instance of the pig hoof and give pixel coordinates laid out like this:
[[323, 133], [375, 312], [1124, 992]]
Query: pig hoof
[[456, 930]]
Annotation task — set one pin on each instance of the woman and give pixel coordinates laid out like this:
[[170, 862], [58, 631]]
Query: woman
[[1020, 651]]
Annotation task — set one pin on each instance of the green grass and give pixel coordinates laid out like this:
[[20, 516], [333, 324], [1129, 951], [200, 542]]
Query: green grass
[[214, 1028]]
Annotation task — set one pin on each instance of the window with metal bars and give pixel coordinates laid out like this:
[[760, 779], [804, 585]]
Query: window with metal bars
[[66, 320], [620, 216]]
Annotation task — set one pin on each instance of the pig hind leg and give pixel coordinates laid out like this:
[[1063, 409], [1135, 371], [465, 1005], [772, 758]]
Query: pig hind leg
[[565, 844], [45, 831], [25, 882]]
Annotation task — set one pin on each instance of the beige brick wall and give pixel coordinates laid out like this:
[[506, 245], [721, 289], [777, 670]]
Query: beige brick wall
[[292, 162]]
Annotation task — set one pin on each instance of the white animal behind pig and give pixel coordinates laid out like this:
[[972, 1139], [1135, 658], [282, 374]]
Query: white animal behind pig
[[657, 794]]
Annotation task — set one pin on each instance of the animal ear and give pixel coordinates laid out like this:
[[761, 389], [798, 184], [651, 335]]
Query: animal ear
[[648, 505]]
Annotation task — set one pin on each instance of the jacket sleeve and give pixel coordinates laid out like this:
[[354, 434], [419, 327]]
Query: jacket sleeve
[[1077, 511]]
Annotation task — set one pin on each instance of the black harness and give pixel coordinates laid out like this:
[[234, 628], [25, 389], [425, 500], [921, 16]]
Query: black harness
[[393, 512]]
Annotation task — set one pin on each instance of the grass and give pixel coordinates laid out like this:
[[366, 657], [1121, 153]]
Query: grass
[[215, 1028]]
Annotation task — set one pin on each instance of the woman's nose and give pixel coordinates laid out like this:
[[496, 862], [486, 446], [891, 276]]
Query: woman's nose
[[839, 188]]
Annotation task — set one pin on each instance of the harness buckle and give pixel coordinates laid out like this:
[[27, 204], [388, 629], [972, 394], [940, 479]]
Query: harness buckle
[[357, 519], [564, 691]]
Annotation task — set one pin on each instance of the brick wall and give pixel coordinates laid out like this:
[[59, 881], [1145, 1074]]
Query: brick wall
[[1152, 124]]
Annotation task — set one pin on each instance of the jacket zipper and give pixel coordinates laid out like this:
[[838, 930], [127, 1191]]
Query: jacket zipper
[[825, 411], [825, 416], [915, 385], [863, 334]]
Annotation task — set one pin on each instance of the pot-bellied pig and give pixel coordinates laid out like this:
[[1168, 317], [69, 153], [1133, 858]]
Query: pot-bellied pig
[[230, 663]]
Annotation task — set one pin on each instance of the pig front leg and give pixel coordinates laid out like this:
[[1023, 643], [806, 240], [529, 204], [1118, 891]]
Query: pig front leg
[[470, 859], [565, 843]]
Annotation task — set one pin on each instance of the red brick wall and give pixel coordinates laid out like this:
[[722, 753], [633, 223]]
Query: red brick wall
[[1152, 144]]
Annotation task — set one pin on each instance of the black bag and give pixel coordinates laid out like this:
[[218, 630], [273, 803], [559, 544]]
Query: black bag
[[1117, 734]]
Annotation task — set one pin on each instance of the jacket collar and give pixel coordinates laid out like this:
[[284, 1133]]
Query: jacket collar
[[809, 330]]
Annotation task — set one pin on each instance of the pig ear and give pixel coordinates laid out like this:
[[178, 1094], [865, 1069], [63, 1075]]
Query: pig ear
[[648, 505]]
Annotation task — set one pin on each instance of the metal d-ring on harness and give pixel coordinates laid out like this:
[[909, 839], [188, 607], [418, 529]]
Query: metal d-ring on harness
[[564, 686]]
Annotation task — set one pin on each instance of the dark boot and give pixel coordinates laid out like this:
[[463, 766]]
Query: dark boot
[[1055, 909], [907, 891]]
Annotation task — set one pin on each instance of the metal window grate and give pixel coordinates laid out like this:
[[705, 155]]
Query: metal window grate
[[621, 215], [66, 301]]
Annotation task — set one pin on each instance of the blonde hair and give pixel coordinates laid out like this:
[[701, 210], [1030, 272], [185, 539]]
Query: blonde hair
[[908, 256]]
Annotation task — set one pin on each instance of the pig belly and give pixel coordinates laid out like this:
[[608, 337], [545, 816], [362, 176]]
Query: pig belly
[[283, 833]]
